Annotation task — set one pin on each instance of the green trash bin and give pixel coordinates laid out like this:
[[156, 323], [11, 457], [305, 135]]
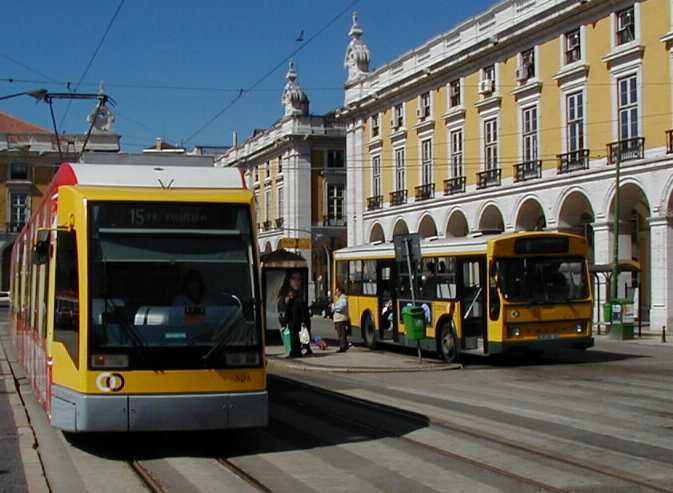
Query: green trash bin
[[414, 322], [622, 319]]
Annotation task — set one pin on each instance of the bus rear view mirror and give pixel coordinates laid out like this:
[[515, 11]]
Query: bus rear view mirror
[[41, 248]]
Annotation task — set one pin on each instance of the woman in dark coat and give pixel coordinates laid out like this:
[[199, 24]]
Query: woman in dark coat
[[296, 315]]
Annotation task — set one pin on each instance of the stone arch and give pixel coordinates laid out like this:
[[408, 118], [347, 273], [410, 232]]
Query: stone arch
[[530, 216], [490, 219], [427, 227], [400, 228], [376, 234], [575, 212], [457, 226]]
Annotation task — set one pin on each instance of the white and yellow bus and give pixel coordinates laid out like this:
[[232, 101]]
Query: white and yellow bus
[[488, 294]]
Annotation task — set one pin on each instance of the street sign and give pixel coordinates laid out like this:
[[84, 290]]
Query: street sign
[[408, 248]]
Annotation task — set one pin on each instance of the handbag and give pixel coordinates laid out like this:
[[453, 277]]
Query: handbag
[[304, 336]]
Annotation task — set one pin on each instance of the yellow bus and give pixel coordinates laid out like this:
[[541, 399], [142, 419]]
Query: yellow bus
[[487, 294], [135, 300]]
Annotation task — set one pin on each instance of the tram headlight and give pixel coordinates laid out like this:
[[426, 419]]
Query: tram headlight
[[241, 359], [514, 331], [99, 361], [579, 329]]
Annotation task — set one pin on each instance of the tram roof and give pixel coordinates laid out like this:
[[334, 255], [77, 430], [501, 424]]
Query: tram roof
[[168, 177]]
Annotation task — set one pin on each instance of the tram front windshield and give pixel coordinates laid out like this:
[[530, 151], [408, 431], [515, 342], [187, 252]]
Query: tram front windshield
[[543, 279], [172, 286]]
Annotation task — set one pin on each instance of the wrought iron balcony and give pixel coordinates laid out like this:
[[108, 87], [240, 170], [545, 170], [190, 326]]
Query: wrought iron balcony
[[333, 221], [489, 178], [279, 222], [266, 226], [528, 170], [375, 202], [626, 150], [573, 161], [454, 185], [669, 141], [425, 192], [398, 197]]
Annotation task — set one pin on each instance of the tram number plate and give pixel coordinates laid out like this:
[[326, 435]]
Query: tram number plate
[[546, 337]]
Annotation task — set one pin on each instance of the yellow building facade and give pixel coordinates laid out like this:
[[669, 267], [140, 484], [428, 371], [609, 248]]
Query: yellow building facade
[[515, 120]]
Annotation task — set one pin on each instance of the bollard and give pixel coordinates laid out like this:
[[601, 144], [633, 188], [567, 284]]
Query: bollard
[[663, 333]]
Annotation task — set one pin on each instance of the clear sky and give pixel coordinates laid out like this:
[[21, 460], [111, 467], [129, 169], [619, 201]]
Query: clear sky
[[208, 48]]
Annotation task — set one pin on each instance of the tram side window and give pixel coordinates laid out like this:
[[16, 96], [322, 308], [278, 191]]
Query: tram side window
[[355, 277], [446, 278], [342, 276], [369, 277], [66, 311]]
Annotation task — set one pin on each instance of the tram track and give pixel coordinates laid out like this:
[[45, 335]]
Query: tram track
[[241, 473], [354, 419], [146, 476]]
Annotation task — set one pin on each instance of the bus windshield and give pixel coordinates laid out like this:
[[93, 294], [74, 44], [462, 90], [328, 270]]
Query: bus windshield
[[173, 285], [542, 279]]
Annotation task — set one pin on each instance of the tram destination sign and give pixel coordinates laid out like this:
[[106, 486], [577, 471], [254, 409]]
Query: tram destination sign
[[166, 215]]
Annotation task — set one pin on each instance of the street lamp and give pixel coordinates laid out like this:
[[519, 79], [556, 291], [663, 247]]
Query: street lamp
[[615, 253]]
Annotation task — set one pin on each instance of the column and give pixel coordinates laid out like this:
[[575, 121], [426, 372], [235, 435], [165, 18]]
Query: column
[[351, 163], [358, 188], [661, 266]]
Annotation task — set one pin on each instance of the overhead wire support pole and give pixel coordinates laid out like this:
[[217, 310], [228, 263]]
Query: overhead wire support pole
[[615, 257], [53, 122]]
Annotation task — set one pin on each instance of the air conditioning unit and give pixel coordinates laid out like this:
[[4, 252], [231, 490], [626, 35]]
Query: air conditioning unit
[[486, 86], [522, 73]]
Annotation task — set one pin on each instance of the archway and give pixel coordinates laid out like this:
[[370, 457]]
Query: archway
[[457, 226], [577, 216], [491, 220], [427, 228], [530, 216], [400, 228], [377, 235]]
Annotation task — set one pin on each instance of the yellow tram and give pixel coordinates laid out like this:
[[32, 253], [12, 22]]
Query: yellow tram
[[135, 300], [487, 294]]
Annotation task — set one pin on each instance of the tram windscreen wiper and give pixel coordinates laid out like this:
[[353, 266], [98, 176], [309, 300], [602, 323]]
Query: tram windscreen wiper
[[119, 315], [223, 336]]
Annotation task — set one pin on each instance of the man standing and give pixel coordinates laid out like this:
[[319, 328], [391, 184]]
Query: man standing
[[340, 316]]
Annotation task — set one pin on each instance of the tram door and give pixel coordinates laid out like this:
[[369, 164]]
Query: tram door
[[473, 301], [387, 299]]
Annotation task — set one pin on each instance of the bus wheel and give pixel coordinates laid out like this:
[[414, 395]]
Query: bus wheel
[[447, 343], [369, 332]]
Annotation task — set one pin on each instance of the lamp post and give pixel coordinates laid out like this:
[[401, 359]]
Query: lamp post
[[615, 254]]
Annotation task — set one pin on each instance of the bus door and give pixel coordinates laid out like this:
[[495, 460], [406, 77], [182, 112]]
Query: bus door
[[387, 300], [473, 300]]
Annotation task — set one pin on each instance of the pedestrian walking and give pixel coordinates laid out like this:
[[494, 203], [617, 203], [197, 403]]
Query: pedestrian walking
[[340, 316], [298, 319]]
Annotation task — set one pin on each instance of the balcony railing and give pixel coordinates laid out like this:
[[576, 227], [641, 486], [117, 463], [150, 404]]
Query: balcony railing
[[489, 178], [626, 150], [454, 185], [375, 202], [669, 141], [425, 192], [398, 197], [279, 222], [266, 226], [573, 161], [528, 170], [333, 221], [14, 227]]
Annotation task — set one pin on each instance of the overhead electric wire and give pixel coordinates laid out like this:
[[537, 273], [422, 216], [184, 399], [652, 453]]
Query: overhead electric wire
[[93, 57]]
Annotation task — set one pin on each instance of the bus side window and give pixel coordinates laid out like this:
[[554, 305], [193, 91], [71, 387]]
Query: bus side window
[[494, 296], [369, 278], [355, 277], [66, 310], [446, 278]]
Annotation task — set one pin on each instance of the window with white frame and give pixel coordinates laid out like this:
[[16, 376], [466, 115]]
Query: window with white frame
[[575, 121], [398, 116], [487, 82], [456, 139], [399, 170], [376, 176], [19, 210], [281, 203], [625, 26], [18, 170], [628, 107], [335, 201], [526, 68], [424, 105], [426, 161], [491, 143], [488, 73], [529, 133], [375, 125], [267, 204], [454, 93], [572, 46]]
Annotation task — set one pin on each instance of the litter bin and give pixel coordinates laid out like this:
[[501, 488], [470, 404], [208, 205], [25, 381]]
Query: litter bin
[[622, 319], [414, 322]]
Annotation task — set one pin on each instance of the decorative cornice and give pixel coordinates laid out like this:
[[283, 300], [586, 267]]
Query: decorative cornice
[[619, 52], [488, 102], [528, 88], [571, 71], [425, 125]]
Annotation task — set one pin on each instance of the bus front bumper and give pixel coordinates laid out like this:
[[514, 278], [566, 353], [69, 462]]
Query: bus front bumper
[[540, 345], [76, 412]]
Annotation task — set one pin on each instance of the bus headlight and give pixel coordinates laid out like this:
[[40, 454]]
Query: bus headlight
[[100, 361], [241, 359], [579, 329], [514, 331]]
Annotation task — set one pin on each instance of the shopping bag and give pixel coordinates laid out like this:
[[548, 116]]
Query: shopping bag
[[304, 336], [287, 340]]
